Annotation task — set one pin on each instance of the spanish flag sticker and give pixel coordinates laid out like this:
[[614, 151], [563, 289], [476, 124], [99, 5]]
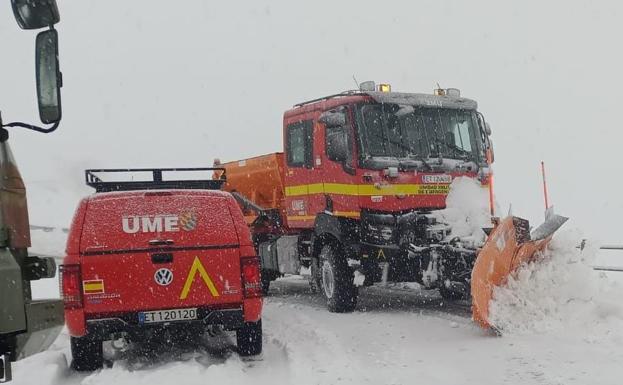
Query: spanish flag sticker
[[94, 286]]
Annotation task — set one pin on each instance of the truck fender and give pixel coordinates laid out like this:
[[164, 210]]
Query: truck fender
[[328, 226]]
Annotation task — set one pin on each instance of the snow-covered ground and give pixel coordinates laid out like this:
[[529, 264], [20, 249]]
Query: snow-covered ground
[[396, 336]]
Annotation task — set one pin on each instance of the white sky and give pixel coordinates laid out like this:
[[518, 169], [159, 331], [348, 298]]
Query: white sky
[[155, 83]]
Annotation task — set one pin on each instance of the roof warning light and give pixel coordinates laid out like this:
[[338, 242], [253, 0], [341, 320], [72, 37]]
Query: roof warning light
[[384, 87]]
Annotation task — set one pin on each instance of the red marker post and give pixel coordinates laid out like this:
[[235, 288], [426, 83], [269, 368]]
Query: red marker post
[[544, 185]]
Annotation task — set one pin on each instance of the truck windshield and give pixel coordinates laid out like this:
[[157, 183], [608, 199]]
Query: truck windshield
[[416, 133]]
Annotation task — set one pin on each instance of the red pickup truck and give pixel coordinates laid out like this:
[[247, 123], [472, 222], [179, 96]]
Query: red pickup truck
[[149, 256]]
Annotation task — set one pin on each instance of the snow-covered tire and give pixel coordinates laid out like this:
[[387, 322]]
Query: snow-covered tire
[[249, 339], [336, 280], [87, 354]]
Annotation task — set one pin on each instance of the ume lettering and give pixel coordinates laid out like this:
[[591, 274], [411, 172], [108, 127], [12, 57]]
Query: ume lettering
[[150, 224]]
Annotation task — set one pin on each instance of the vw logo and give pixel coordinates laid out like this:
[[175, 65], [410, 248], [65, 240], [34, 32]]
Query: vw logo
[[163, 277]]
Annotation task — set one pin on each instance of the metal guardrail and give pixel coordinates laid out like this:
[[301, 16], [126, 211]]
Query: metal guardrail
[[608, 268], [611, 247], [49, 229]]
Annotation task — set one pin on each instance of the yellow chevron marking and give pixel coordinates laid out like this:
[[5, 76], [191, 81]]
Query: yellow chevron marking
[[198, 267]]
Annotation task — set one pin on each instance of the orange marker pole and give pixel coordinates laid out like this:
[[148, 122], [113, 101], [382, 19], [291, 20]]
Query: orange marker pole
[[544, 185]]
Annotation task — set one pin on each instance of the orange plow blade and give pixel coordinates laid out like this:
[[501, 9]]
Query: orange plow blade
[[509, 245]]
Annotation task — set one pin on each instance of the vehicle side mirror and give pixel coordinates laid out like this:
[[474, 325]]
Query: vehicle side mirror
[[48, 75], [35, 14], [491, 153], [333, 118], [484, 125], [337, 145]]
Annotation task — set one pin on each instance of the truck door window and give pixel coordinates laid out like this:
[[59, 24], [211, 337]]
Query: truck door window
[[333, 135], [373, 116], [299, 144]]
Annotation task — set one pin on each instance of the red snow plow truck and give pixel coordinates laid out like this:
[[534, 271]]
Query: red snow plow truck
[[353, 196]]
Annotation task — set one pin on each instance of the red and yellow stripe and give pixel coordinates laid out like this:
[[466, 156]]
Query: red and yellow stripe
[[367, 189]]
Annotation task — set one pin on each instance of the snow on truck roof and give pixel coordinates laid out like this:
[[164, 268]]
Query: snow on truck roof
[[423, 100], [413, 99]]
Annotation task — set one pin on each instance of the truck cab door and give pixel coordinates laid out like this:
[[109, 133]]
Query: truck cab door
[[299, 172], [340, 183]]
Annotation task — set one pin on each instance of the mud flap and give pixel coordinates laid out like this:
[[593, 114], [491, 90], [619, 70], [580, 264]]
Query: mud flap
[[508, 246], [5, 368]]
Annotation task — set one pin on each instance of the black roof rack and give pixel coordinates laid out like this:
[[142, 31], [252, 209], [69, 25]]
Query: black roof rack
[[94, 179], [345, 93]]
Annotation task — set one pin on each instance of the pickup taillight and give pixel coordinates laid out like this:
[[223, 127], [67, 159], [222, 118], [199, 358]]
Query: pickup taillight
[[251, 277], [71, 286]]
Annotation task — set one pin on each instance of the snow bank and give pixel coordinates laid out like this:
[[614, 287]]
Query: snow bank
[[48, 242], [467, 210], [561, 293], [402, 342]]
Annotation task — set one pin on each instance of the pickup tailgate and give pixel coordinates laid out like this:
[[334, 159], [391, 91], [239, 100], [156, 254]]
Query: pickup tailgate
[[159, 250]]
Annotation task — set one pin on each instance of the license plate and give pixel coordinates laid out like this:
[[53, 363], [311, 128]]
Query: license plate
[[171, 315]]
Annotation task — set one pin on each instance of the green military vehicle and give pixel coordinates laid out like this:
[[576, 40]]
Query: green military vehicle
[[27, 326]]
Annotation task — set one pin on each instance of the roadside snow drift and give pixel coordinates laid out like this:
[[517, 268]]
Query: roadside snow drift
[[50, 242], [561, 293]]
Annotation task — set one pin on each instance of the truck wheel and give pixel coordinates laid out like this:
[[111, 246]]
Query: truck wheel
[[249, 338], [267, 277], [87, 354], [336, 280], [315, 286], [265, 284]]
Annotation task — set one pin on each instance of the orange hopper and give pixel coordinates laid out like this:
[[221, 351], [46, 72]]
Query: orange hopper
[[259, 179]]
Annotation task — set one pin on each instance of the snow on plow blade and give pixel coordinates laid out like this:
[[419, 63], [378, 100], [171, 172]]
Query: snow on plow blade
[[509, 245]]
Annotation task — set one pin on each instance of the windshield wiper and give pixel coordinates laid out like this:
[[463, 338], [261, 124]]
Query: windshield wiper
[[451, 146], [463, 154], [401, 145], [421, 159], [410, 155]]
